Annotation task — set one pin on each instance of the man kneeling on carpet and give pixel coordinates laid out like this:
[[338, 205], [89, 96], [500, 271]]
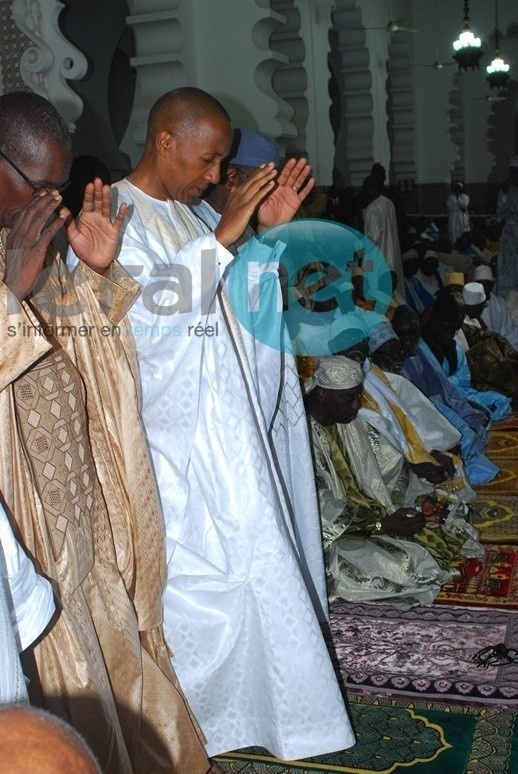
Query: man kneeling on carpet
[[372, 550]]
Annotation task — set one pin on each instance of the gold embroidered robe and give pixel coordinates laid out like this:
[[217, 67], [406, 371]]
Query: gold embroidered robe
[[77, 481]]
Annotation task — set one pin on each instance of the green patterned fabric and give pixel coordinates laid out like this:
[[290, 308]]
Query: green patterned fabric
[[442, 544], [393, 735]]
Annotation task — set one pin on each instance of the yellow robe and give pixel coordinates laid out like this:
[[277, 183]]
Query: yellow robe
[[76, 479]]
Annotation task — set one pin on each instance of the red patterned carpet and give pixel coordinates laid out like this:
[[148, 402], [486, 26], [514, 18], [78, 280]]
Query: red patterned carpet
[[490, 581]]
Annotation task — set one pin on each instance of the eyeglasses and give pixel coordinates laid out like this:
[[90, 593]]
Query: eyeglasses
[[35, 186]]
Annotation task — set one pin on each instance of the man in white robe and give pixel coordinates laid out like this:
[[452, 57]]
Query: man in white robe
[[380, 225], [457, 206], [26, 607], [238, 615]]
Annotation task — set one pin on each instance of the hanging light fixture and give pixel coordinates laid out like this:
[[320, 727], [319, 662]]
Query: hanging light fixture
[[468, 48], [498, 71]]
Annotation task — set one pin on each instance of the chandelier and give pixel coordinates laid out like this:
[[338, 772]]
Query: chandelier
[[498, 71], [468, 48]]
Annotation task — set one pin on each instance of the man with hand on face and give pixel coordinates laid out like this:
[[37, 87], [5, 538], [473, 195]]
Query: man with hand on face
[[249, 152], [235, 477], [75, 475]]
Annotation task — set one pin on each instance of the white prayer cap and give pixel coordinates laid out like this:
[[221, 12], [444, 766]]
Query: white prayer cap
[[483, 272], [380, 335], [335, 372], [410, 253], [431, 254], [473, 293]]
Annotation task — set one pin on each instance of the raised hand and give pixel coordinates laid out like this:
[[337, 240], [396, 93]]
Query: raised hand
[[94, 237], [242, 203], [32, 229], [292, 187]]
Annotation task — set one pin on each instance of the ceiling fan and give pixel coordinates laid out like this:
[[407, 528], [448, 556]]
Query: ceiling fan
[[398, 26], [490, 98], [395, 26], [438, 64]]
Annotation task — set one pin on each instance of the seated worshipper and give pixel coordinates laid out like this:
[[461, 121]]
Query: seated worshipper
[[413, 424], [481, 249], [401, 480], [369, 293], [439, 345], [457, 206], [75, 475], [228, 435], [491, 358], [496, 315], [26, 607], [358, 290], [452, 261], [411, 262], [426, 376], [369, 543], [453, 283], [422, 288]]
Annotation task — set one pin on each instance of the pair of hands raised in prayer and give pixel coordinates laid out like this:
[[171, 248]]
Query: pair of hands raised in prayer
[[94, 237], [273, 196]]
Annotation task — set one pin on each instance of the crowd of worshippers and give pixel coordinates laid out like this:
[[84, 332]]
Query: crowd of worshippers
[[173, 498], [400, 403]]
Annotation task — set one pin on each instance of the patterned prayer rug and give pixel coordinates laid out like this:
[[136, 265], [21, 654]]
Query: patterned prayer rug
[[496, 519], [490, 581], [511, 423], [503, 444], [393, 734], [495, 511], [440, 653], [505, 482]]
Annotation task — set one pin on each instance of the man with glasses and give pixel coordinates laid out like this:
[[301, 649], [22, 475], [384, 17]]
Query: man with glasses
[[45, 186], [74, 472]]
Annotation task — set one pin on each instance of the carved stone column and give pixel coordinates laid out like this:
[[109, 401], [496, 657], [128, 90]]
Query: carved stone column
[[50, 60]]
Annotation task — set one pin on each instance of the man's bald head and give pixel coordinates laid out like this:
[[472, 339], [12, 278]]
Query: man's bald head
[[180, 112], [32, 741]]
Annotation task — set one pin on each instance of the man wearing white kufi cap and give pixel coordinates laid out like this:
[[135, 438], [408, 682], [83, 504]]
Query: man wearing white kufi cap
[[491, 358], [507, 209], [496, 314], [367, 555]]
